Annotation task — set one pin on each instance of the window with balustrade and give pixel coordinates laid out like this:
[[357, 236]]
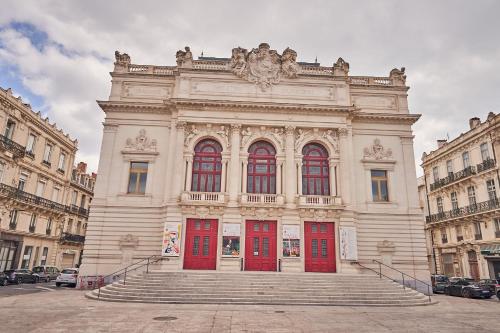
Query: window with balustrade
[[435, 173], [261, 169], [454, 200], [471, 193], [444, 236], [449, 167], [207, 167], [315, 170], [439, 203], [492, 192], [485, 154], [465, 159]]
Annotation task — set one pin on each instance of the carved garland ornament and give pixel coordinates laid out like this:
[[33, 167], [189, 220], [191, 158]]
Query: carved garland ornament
[[141, 143], [331, 136], [193, 131], [248, 134], [264, 66], [377, 151]]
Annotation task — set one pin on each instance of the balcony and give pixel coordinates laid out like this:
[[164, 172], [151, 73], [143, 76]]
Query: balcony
[[319, 201], [203, 197], [486, 165], [481, 207], [30, 199], [259, 198], [453, 177], [74, 209], [67, 237], [16, 149]]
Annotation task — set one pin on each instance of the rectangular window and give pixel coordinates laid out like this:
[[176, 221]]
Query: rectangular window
[[490, 186], [454, 200], [45, 253], [444, 237], [83, 200], [2, 170], [9, 129], [496, 222], [485, 154], [435, 173], [47, 153], [40, 188], [465, 159], [62, 161], [13, 219], [26, 257], [49, 226], [30, 146], [22, 181], [32, 226], [137, 178], [69, 229], [472, 195], [439, 202], [55, 194], [460, 236], [379, 185], [478, 235], [74, 197], [449, 167]]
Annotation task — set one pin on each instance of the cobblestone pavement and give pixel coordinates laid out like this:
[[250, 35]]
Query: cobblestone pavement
[[69, 311]]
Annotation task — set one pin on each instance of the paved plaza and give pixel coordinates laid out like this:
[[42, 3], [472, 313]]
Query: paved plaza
[[67, 310]]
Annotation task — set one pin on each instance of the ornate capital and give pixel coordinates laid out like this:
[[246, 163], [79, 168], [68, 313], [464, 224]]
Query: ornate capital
[[343, 132], [235, 127], [289, 130], [181, 125]]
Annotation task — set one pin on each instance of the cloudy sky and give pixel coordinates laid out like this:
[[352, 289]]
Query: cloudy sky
[[57, 54]]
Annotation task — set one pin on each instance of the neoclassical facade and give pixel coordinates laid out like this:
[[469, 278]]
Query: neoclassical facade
[[255, 162]]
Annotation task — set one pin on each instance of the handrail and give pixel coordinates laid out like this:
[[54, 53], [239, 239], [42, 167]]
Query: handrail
[[403, 274], [126, 269]]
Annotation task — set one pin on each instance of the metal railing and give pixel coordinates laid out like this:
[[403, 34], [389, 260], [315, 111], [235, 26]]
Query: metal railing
[[485, 165], [72, 238], [15, 148], [78, 210], [464, 211], [453, 177], [403, 281], [123, 271]]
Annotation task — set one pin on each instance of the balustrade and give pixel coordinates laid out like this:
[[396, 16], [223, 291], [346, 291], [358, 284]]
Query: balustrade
[[203, 197], [464, 211], [15, 148], [319, 200], [259, 198]]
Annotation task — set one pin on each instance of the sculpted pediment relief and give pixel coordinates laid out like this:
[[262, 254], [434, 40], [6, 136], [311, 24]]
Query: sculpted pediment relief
[[264, 66], [141, 143], [377, 152]]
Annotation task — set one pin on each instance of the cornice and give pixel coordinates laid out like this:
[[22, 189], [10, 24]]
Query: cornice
[[136, 107], [408, 119]]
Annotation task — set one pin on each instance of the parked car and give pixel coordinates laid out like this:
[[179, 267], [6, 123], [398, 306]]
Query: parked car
[[68, 276], [491, 283], [468, 288], [46, 273], [439, 282], [497, 291], [18, 276], [3, 279]]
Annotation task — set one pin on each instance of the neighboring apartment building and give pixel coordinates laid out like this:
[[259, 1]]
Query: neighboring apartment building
[[255, 162], [36, 160], [460, 187]]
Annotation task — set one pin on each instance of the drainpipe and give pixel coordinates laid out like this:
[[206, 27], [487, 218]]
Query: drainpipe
[[429, 216]]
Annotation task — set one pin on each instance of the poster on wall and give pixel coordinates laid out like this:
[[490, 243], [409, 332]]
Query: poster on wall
[[231, 239], [291, 240], [348, 243], [171, 239]]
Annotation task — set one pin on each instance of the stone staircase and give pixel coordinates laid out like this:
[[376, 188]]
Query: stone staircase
[[271, 288]]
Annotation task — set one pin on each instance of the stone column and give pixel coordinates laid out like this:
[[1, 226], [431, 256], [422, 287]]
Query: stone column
[[279, 164], [409, 167], [223, 176], [244, 176], [189, 173], [179, 168], [299, 176], [345, 190], [169, 179], [290, 175], [331, 175], [234, 166]]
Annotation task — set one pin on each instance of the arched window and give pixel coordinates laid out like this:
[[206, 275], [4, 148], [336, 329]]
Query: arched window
[[261, 176], [207, 166], [315, 173]]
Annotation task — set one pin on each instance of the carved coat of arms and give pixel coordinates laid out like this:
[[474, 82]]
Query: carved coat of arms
[[264, 66]]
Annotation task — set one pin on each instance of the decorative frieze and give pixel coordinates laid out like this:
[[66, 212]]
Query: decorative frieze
[[376, 151], [141, 143]]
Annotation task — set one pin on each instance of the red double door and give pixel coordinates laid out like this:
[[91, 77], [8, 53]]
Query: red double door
[[201, 244], [260, 246], [320, 247]]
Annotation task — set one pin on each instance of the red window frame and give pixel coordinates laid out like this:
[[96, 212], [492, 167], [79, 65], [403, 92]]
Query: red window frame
[[207, 166], [314, 182], [261, 168]]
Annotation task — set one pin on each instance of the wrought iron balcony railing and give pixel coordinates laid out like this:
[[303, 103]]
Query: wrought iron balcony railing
[[453, 177], [78, 210], [72, 238], [486, 165], [15, 148], [480, 207], [17, 194]]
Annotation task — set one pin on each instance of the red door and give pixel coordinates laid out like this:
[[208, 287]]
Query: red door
[[320, 246], [201, 244], [260, 246]]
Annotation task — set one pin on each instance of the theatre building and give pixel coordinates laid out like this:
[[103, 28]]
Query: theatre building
[[255, 162]]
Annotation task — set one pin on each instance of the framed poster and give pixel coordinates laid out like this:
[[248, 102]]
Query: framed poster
[[348, 243], [171, 239], [291, 240], [231, 239]]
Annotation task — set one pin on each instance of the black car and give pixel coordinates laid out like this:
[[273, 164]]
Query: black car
[[3, 279], [491, 283], [18, 276], [467, 288], [439, 283]]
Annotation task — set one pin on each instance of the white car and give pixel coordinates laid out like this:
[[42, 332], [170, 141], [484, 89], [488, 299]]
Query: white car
[[67, 276]]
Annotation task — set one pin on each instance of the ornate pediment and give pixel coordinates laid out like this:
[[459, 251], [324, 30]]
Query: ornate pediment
[[264, 66], [141, 143], [376, 151]]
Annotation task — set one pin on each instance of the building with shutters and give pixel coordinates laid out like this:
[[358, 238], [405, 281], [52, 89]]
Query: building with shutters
[[36, 185], [255, 162], [459, 187]]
